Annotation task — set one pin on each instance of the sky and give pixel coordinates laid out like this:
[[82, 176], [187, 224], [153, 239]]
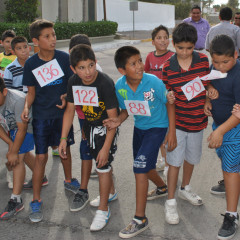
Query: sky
[[220, 2]]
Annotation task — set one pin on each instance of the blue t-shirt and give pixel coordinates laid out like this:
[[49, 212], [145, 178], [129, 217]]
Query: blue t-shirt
[[47, 97], [229, 94], [150, 89]]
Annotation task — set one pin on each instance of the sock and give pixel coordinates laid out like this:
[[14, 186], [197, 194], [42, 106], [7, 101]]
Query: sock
[[166, 168], [182, 188], [18, 197], [162, 187], [163, 159], [232, 213], [139, 218], [83, 190], [68, 181]]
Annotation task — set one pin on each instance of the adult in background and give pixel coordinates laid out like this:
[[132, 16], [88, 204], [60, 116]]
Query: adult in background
[[202, 26], [237, 19]]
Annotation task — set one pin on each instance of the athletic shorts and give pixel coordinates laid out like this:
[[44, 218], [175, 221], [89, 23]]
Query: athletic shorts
[[189, 148], [146, 144], [28, 142], [96, 136], [48, 133], [229, 152]]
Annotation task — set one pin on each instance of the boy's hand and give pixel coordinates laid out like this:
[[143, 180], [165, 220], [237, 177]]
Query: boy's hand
[[64, 102], [62, 149], [12, 159], [212, 93], [236, 110], [215, 139], [171, 141], [102, 158], [24, 115], [171, 97], [111, 123], [208, 108]]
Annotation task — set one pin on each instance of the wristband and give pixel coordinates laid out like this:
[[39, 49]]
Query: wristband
[[63, 138]]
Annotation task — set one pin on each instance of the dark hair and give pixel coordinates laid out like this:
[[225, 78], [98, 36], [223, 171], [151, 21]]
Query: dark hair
[[8, 33], [184, 32], [222, 45], [79, 39], [18, 39], [123, 54], [226, 13], [37, 26], [2, 84], [237, 13], [196, 7], [157, 30], [81, 52]]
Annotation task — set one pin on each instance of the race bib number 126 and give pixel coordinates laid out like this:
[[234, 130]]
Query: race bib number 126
[[140, 108]]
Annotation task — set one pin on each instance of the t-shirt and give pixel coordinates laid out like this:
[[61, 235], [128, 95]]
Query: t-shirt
[[150, 89], [94, 115], [13, 76], [190, 115], [154, 63], [229, 94], [4, 61], [47, 97], [12, 109]]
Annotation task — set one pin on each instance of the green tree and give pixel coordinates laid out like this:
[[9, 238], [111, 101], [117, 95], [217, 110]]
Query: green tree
[[21, 10], [233, 4]]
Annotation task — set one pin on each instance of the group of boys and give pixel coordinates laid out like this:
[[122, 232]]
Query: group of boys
[[178, 117]]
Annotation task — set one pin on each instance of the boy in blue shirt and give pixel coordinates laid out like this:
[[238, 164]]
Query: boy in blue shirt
[[144, 96], [46, 75], [226, 127]]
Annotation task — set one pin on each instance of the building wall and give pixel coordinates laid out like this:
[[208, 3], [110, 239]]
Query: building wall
[[50, 9], [2, 10]]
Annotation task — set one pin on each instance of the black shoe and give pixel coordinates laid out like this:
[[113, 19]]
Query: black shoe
[[12, 208], [229, 226], [218, 189]]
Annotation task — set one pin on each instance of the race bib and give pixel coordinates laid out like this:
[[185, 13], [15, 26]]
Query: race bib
[[48, 72], [1, 73], [140, 108], [193, 88], [86, 96]]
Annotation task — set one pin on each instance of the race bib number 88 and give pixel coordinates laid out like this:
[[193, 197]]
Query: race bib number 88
[[140, 108]]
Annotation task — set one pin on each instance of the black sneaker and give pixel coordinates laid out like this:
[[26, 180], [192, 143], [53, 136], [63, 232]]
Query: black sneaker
[[29, 184], [157, 193], [80, 201], [229, 226], [218, 189], [12, 208]]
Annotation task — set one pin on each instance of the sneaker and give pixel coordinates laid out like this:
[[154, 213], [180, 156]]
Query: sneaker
[[73, 186], [134, 228], [80, 201], [100, 220], [10, 179], [94, 174], [171, 214], [188, 195], [55, 152], [160, 164], [96, 202], [36, 211], [218, 189], [12, 208], [157, 193], [29, 184], [165, 174], [229, 226]]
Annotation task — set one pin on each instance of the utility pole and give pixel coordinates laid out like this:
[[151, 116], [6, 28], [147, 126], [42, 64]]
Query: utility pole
[[104, 10]]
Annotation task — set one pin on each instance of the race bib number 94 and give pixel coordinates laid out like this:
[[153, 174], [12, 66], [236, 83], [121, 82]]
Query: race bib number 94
[[48, 72], [140, 108], [86, 96]]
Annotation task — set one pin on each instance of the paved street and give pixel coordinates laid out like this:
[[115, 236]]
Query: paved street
[[196, 222]]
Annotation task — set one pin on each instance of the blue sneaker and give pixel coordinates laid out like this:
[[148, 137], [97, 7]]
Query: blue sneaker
[[36, 214], [73, 186]]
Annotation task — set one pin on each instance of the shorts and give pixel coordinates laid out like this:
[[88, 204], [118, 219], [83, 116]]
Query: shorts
[[28, 142], [48, 133], [189, 148], [229, 152], [84, 146], [146, 144], [96, 136]]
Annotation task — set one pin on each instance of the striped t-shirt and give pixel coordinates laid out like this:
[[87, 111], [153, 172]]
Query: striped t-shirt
[[190, 115]]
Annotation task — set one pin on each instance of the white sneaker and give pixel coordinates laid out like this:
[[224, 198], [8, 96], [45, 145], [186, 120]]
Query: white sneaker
[[165, 173], [188, 195], [160, 164], [100, 220], [96, 202], [10, 179], [171, 214]]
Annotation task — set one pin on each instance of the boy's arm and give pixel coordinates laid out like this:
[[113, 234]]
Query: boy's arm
[[28, 103], [114, 122], [102, 157], [64, 102], [208, 107], [67, 123], [212, 92]]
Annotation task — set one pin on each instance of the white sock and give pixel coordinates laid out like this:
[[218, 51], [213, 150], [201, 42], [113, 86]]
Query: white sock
[[18, 197], [163, 159], [166, 168], [232, 213]]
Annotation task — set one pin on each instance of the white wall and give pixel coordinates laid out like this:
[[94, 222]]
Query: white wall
[[148, 16], [75, 11], [50, 10]]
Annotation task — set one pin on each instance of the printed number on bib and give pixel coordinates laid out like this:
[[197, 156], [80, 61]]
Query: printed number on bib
[[193, 88], [137, 107], [48, 73], [86, 96]]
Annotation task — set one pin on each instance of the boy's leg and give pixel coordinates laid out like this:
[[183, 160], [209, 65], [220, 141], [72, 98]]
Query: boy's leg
[[29, 160], [187, 173], [85, 173], [172, 181], [67, 165]]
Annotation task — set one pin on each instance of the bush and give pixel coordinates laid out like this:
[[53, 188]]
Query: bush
[[182, 10], [66, 30]]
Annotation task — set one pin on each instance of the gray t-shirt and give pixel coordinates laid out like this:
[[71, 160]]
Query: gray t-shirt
[[11, 110]]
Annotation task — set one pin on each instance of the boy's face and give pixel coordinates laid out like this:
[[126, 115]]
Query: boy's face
[[184, 50], [134, 68], [161, 41], [86, 70], [224, 63], [22, 50], [7, 45], [3, 96], [47, 39]]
